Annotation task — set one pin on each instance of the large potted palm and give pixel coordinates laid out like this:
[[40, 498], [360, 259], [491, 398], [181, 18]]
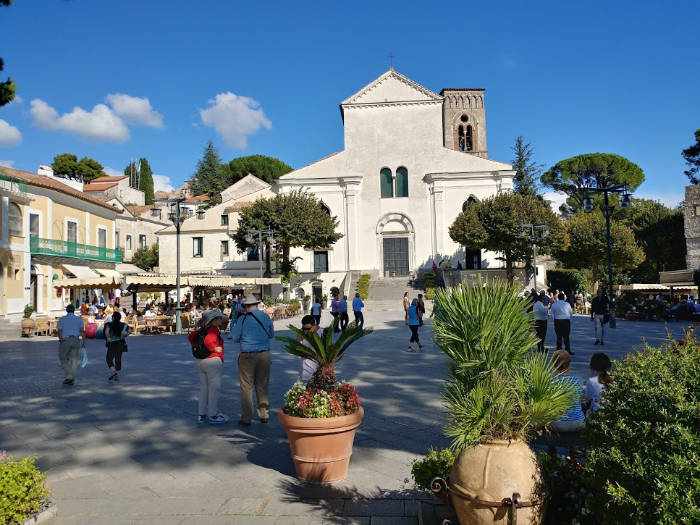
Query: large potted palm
[[498, 392], [321, 415]]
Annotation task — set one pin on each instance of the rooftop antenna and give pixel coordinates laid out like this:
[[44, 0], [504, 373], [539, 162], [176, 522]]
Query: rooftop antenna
[[391, 61]]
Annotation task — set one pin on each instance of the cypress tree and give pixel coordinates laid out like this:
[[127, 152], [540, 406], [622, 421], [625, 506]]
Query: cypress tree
[[132, 171], [208, 179], [146, 181]]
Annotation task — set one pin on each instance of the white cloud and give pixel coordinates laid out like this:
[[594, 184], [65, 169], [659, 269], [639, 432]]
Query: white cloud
[[101, 123], [112, 171], [135, 109], [9, 135], [235, 118], [555, 199], [7, 163], [162, 183]]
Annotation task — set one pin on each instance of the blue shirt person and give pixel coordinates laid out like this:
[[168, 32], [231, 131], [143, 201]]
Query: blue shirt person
[[413, 322], [357, 306]]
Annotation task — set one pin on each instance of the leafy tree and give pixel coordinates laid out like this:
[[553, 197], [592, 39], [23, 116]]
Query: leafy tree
[[601, 169], [7, 87], [691, 154], [527, 171], [297, 220], [65, 165], [146, 258], [588, 247], [146, 181], [265, 168], [660, 232], [496, 224], [89, 169], [208, 178]]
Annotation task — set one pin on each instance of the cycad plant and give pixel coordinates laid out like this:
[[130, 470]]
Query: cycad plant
[[498, 388]]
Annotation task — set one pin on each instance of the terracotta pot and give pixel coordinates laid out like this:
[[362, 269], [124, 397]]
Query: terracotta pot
[[321, 447], [27, 326], [491, 472]]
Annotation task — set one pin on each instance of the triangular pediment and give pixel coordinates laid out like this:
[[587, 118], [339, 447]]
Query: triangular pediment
[[392, 86], [247, 185]]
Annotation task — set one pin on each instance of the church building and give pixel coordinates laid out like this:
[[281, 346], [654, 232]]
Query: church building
[[412, 161]]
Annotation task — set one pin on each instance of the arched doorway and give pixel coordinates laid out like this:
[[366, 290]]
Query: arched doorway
[[34, 289], [396, 235]]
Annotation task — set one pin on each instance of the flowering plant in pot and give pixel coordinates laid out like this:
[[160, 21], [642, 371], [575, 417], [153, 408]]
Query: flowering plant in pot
[[321, 415], [498, 392]]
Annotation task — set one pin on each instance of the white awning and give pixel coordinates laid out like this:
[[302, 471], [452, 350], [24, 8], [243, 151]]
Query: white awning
[[108, 273], [128, 269], [81, 272], [104, 283]]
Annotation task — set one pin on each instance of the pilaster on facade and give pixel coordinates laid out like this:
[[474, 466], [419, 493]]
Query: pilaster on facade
[[437, 205]]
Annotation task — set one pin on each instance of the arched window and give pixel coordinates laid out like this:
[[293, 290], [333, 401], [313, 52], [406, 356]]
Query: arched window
[[325, 208], [402, 182], [471, 200], [15, 220], [386, 183], [469, 138], [465, 135]]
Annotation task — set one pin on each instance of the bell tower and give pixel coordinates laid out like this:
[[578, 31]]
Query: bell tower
[[464, 120]]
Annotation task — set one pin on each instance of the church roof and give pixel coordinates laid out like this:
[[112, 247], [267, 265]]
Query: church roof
[[392, 86]]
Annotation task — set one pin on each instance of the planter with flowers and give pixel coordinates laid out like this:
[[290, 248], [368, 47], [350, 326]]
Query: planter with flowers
[[321, 416]]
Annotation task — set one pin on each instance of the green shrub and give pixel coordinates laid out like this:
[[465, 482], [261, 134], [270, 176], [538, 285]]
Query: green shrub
[[22, 489], [430, 293], [562, 490], [568, 279], [363, 285], [644, 446], [28, 311], [435, 464], [429, 280]]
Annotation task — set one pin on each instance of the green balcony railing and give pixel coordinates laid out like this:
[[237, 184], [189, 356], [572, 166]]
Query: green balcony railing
[[74, 250]]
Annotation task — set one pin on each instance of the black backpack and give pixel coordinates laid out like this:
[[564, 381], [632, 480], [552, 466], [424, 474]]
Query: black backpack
[[199, 351]]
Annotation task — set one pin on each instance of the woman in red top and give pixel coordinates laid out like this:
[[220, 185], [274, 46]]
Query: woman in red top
[[210, 368]]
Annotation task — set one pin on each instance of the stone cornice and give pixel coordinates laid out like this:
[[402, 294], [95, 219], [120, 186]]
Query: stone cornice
[[391, 103], [467, 175], [334, 180], [392, 73]]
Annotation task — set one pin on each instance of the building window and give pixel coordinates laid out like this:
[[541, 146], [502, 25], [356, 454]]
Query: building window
[[252, 253], [156, 213], [465, 137], [200, 215], [402, 182], [72, 231], [472, 260], [325, 208], [197, 246], [34, 224], [102, 238], [142, 241], [697, 210], [224, 249], [224, 219], [128, 242], [15, 220], [387, 183], [321, 262], [116, 239]]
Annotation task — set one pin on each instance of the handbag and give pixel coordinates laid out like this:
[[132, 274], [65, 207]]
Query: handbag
[[83, 357]]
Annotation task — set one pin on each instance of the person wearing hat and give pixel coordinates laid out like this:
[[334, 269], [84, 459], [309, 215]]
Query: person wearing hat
[[210, 368], [70, 330], [253, 331]]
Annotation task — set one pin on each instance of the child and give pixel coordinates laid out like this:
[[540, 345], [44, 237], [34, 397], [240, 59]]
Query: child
[[600, 368], [573, 420], [308, 366]]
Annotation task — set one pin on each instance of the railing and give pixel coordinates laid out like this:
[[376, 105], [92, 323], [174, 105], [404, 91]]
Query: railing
[[11, 185], [74, 250]]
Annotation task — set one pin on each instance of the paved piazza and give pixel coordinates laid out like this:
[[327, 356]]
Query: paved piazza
[[132, 453]]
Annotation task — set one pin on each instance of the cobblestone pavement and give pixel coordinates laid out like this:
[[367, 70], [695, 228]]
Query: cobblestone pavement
[[132, 453]]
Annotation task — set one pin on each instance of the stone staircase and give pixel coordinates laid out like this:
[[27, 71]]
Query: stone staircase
[[389, 289]]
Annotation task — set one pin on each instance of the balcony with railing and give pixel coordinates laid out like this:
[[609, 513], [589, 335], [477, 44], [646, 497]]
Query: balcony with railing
[[73, 250]]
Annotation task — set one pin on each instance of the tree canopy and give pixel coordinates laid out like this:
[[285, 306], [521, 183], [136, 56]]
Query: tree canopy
[[598, 169], [527, 171], [67, 165], [497, 224], [7, 87], [146, 181], [208, 178], [297, 219], [146, 258], [588, 246], [265, 168], [691, 154]]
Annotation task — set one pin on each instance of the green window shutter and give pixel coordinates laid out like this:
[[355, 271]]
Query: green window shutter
[[402, 182], [387, 183]]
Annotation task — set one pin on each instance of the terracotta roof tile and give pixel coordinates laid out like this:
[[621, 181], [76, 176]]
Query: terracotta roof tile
[[197, 198], [41, 181]]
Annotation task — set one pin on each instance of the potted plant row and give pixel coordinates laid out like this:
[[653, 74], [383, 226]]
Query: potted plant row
[[321, 416], [497, 393]]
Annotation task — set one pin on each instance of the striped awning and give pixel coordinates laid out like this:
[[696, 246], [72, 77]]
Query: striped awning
[[103, 283]]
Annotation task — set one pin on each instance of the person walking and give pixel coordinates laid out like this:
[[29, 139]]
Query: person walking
[[600, 310], [115, 337], [357, 306], [70, 331], [561, 313], [413, 324], [343, 312], [406, 304], [210, 368], [316, 311], [541, 313], [420, 309], [335, 312], [253, 331]]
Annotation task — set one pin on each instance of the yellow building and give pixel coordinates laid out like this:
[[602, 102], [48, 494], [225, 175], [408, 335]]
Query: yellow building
[[54, 231]]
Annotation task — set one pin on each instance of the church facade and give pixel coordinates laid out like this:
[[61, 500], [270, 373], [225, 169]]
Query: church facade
[[412, 160]]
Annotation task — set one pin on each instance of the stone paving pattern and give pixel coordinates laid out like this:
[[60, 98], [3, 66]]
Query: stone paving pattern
[[132, 453]]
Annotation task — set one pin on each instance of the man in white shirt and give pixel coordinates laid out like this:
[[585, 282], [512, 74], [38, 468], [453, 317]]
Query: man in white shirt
[[70, 331], [561, 313], [541, 312]]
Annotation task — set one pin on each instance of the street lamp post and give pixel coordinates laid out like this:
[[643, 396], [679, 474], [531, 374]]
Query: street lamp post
[[534, 233], [177, 218], [606, 190], [268, 237]]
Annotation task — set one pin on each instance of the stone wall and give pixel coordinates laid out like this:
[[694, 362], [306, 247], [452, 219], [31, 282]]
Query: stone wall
[[692, 226]]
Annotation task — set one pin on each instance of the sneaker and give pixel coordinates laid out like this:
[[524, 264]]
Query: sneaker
[[116, 377], [201, 418], [113, 377], [218, 419], [68, 381]]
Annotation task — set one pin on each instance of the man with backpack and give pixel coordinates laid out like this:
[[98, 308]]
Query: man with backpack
[[253, 331], [208, 350]]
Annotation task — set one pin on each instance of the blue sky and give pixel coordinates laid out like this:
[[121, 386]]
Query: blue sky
[[572, 77]]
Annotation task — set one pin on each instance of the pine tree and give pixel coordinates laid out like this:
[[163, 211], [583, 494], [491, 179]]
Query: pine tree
[[208, 178], [527, 171], [146, 181]]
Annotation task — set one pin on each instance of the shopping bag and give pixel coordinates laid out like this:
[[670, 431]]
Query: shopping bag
[[83, 357]]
